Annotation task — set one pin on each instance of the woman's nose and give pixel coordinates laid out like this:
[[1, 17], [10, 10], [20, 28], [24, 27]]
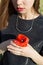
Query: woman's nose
[[19, 2]]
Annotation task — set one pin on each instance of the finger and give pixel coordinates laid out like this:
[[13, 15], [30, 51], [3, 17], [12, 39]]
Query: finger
[[15, 45], [27, 44], [14, 52], [14, 48]]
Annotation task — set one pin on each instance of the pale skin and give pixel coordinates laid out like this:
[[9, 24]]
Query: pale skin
[[27, 13]]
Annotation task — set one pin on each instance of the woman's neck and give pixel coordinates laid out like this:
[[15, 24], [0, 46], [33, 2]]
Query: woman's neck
[[31, 14]]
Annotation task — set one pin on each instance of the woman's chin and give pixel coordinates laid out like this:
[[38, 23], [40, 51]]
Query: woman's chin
[[21, 12]]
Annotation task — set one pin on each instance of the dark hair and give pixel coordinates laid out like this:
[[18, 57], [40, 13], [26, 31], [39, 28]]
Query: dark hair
[[11, 9], [36, 7]]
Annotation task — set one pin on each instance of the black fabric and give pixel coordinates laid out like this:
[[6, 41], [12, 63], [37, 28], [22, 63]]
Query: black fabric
[[5, 37], [41, 51], [12, 59], [35, 35]]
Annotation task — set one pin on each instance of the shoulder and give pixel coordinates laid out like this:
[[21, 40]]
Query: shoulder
[[39, 24], [39, 21]]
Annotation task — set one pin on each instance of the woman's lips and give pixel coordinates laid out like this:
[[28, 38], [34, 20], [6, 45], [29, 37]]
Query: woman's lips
[[20, 9]]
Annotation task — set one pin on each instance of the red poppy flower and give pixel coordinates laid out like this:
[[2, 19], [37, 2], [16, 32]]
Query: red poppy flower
[[21, 40]]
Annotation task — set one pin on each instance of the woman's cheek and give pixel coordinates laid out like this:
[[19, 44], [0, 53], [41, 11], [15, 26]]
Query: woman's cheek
[[29, 3]]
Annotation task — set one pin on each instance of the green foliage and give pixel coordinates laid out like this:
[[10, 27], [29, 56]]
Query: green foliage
[[41, 6]]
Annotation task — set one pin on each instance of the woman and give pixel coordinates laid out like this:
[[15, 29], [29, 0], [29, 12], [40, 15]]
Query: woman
[[28, 21]]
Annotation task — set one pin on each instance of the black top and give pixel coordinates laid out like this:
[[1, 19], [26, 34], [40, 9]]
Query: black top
[[32, 28]]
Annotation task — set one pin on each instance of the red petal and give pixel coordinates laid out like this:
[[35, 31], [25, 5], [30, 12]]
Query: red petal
[[21, 37], [21, 40], [19, 43]]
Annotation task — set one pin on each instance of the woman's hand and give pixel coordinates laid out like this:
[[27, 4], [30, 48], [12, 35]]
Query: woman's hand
[[27, 51], [23, 51]]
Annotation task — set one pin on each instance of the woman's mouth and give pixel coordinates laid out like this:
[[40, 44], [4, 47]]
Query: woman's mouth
[[20, 9]]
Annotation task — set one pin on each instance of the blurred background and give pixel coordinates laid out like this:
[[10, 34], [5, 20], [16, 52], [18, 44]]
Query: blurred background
[[41, 6]]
